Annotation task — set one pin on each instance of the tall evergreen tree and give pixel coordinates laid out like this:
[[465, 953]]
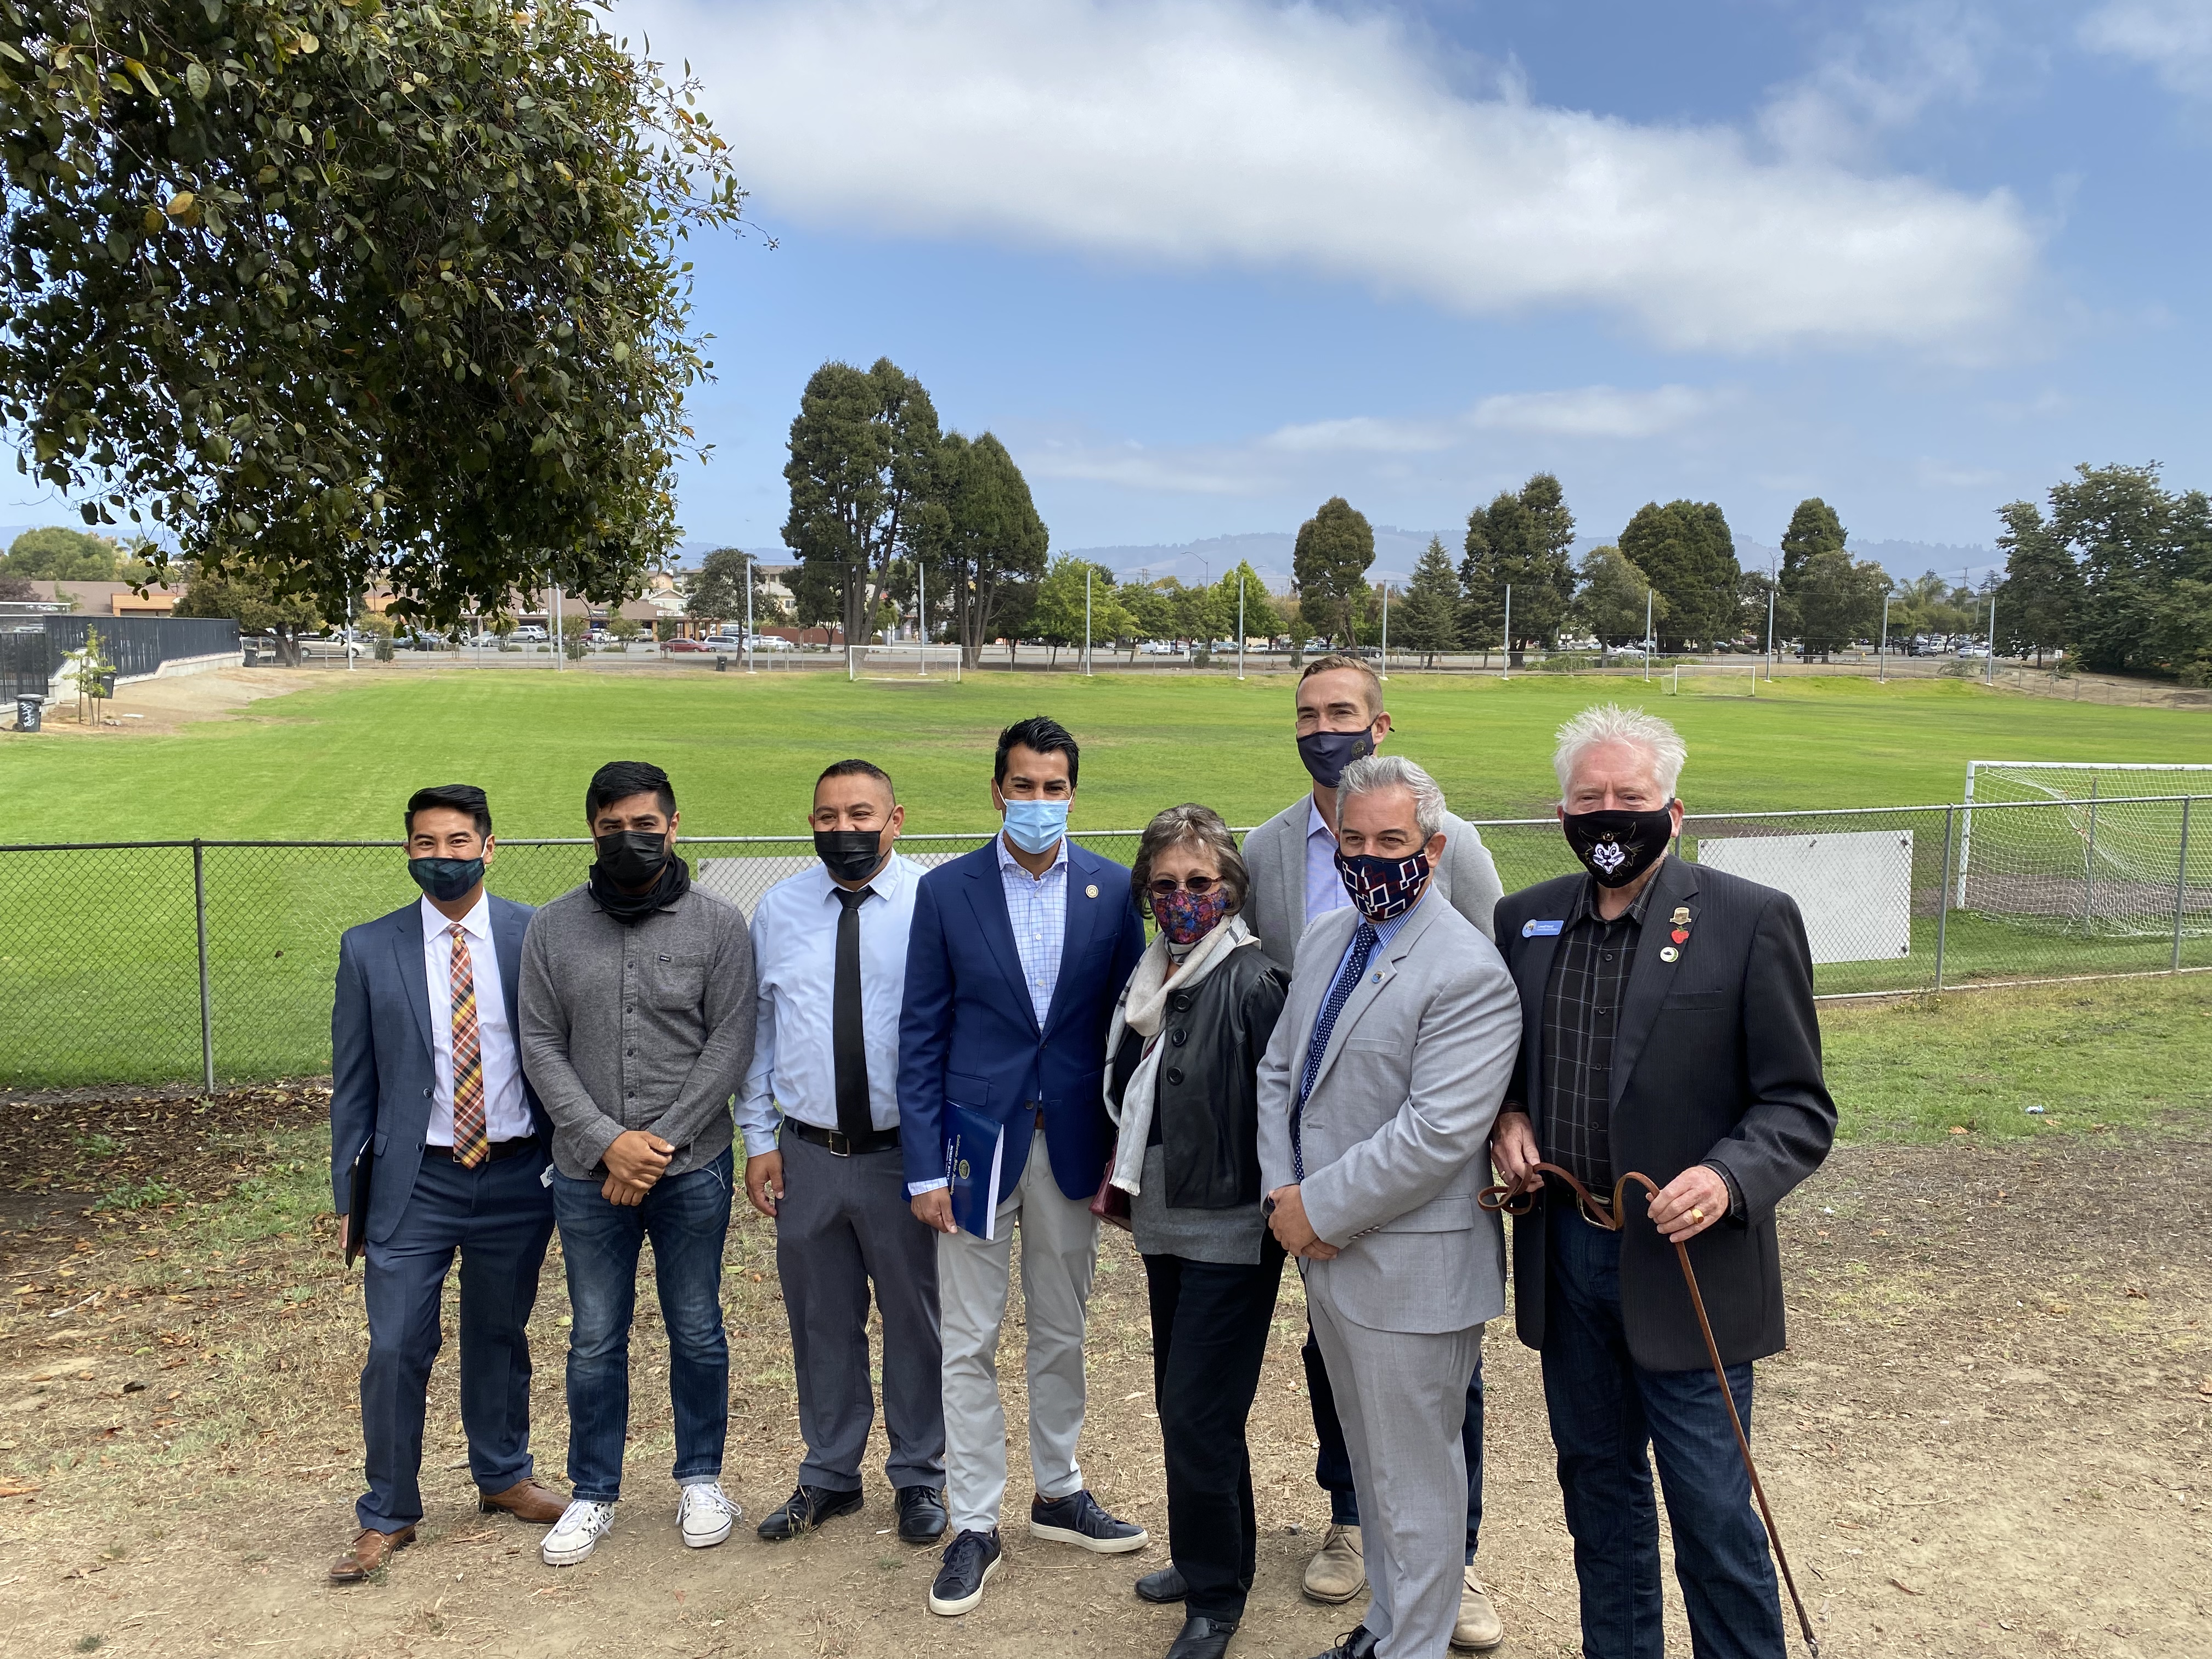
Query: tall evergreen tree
[[1814, 528], [987, 539], [1610, 603], [1333, 550], [1520, 540], [2119, 519], [1837, 598], [2038, 604], [864, 483], [1685, 549], [1428, 619]]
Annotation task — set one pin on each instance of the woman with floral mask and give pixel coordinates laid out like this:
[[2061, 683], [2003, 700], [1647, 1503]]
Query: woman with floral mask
[[1183, 1052]]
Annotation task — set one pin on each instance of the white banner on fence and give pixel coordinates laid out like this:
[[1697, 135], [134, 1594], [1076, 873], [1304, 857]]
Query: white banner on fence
[[1855, 889]]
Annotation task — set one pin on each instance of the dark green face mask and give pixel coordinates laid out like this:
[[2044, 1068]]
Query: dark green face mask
[[446, 879]]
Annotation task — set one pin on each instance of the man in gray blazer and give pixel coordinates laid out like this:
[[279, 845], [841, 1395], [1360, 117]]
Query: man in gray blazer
[[1292, 860], [1377, 1098]]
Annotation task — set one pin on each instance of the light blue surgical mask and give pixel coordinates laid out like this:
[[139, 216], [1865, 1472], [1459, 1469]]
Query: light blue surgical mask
[[1036, 826]]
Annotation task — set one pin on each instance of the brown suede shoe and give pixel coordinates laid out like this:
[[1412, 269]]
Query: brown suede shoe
[[525, 1500], [371, 1551]]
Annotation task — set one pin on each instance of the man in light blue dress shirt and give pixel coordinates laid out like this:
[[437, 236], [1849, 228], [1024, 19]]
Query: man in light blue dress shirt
[[819, 1113]]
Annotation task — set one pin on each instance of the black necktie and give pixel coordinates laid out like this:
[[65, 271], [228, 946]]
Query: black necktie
[[847, 1035]]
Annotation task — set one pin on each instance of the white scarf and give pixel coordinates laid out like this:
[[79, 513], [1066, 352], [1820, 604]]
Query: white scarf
[[1140, 1008]]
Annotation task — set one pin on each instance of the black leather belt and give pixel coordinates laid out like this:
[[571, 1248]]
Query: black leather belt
[[839, 1145], [502, 1149]]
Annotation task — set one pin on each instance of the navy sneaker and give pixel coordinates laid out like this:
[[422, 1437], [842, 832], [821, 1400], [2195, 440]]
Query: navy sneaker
[[1076, 1519], [969, 1561]]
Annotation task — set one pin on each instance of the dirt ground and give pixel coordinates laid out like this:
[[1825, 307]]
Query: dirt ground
[[1988, 1438], [162, 707]]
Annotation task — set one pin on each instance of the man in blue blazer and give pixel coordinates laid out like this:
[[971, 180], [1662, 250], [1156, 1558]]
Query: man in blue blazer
[[426, 1081], [1017, 954]]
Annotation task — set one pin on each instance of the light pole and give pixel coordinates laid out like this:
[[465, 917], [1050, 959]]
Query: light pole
[[1770, 633], [557, 642], [1506, 673], [750, 669], [1990, 678], [1647, 635], [1240, 622], [1882, 656], [921, 617], [1385, 674], [1086, 620]]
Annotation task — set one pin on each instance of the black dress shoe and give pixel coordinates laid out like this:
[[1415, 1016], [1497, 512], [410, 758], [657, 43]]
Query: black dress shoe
[[920, 1515], [1163, 1586], [1202, 1639], [1355, 1644], [807, 1508], [969, 1561]]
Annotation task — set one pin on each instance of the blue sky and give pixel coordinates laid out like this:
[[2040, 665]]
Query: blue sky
[[1202, 264]]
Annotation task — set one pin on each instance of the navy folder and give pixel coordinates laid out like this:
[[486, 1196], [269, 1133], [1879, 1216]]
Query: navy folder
[[974, 1144]]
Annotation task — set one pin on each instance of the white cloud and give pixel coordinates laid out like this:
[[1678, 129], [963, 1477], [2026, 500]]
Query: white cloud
[[1194, 134], [1882, 78], [2173, 37], [1373, 448]]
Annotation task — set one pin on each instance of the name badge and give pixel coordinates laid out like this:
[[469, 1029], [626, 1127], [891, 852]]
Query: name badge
[[1541, 929]]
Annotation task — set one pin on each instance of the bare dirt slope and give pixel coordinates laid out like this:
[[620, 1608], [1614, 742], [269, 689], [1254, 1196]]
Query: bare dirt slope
[[1989, 1436]]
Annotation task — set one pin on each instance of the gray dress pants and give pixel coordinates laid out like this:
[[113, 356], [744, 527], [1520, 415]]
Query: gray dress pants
[[844, 1222], [1059, 1255]]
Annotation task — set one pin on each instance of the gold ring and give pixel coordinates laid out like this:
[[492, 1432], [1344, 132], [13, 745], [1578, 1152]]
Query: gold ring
[[1697, 1215]]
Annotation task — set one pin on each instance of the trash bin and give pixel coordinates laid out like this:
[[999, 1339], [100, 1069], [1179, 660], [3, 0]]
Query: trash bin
[[28, 710], [721, 664]]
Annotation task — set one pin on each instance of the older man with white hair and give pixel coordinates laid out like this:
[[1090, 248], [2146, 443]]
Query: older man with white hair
[[1668, 1027], [1376, 1097]]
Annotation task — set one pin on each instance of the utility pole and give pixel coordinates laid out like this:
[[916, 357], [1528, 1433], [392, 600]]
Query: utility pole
[[1770, 633], [1506, 673], [1385, 674], [1882, 657], [1086, 620], [1990, 677], [750, 669], [1240, 622], [1647, 635]]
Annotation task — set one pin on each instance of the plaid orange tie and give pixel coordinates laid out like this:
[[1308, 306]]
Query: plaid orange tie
[[471, 1144]]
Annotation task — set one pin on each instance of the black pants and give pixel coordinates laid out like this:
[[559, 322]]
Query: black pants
[[1332, 1464], [1209, 1332]]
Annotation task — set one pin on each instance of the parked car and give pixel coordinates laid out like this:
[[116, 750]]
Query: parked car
[[685, 645], [1976, 651], [772, 642]]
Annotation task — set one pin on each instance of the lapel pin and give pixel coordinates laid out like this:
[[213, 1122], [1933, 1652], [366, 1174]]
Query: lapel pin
[[1668, 953], [1681, 935], [1091, 891], [1681, 917]]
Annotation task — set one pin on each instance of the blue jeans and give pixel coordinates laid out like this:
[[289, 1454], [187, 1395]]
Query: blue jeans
[[1606, 1412], [498, 1219], [687, 1217], [1333, 1462]]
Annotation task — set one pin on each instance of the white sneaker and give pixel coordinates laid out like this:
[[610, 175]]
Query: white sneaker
[[578, 1532], [705, 1515]]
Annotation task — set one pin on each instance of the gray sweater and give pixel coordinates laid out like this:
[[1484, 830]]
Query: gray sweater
[[642, 1026]]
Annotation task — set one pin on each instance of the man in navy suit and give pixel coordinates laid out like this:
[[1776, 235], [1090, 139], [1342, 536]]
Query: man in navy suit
[[426, 1078], [1017, 954]]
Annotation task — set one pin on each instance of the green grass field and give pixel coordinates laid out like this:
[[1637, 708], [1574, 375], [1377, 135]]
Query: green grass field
[[337, 760], [98, 959]]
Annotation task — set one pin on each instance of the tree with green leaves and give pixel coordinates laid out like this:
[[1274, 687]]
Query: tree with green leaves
[[1686, 550], [1521, 540], [1610, 604], [1837, 598], [1814, 528], [987, 539], [1062, 595], [865, 487], [1428, 621], [1149, 610], [1333, 550], [2039, 601], [257, 606], [57, 554], [348, 295], [2118, 520], [718, 594], [1260, 621]]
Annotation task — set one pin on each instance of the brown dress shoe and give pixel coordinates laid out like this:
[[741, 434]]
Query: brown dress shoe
[[525, 1500], [370, 1552]]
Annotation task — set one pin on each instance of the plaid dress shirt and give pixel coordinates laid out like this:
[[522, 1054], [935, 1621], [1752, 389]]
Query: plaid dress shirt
[[1582, 1012]]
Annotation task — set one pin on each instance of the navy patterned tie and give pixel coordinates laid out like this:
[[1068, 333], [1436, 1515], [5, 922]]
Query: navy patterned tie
[[1363, 938]]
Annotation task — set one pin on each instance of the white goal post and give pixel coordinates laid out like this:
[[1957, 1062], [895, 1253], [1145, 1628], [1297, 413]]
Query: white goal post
[[2082, 787], [906, 664]]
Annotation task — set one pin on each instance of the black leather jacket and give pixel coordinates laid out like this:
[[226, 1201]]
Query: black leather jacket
[[1206, 1114]]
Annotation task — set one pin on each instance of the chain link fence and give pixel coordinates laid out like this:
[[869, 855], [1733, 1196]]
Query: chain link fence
[[201, 962]]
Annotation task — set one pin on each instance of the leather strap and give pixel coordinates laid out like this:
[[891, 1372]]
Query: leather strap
[[842, 1144], [1598, 1214]]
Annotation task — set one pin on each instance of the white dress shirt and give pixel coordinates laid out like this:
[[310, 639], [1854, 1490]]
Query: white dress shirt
[[1037, 907], [506, 1115], [794, 1068], [1324, 885]]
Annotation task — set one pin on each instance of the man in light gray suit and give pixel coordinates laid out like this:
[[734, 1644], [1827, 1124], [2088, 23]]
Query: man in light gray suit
[[1376, 1097], [1292, 860]]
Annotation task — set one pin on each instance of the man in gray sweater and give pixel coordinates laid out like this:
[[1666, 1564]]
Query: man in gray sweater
[[638, 1010]]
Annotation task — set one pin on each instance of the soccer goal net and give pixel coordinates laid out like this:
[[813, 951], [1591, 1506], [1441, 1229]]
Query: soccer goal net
[[907, 664], [2122, 849]]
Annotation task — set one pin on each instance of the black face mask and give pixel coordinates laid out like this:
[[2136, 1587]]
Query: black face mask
[[1616, 848], [631, 857], [1326, 754], [850, 854], [446, 879]]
